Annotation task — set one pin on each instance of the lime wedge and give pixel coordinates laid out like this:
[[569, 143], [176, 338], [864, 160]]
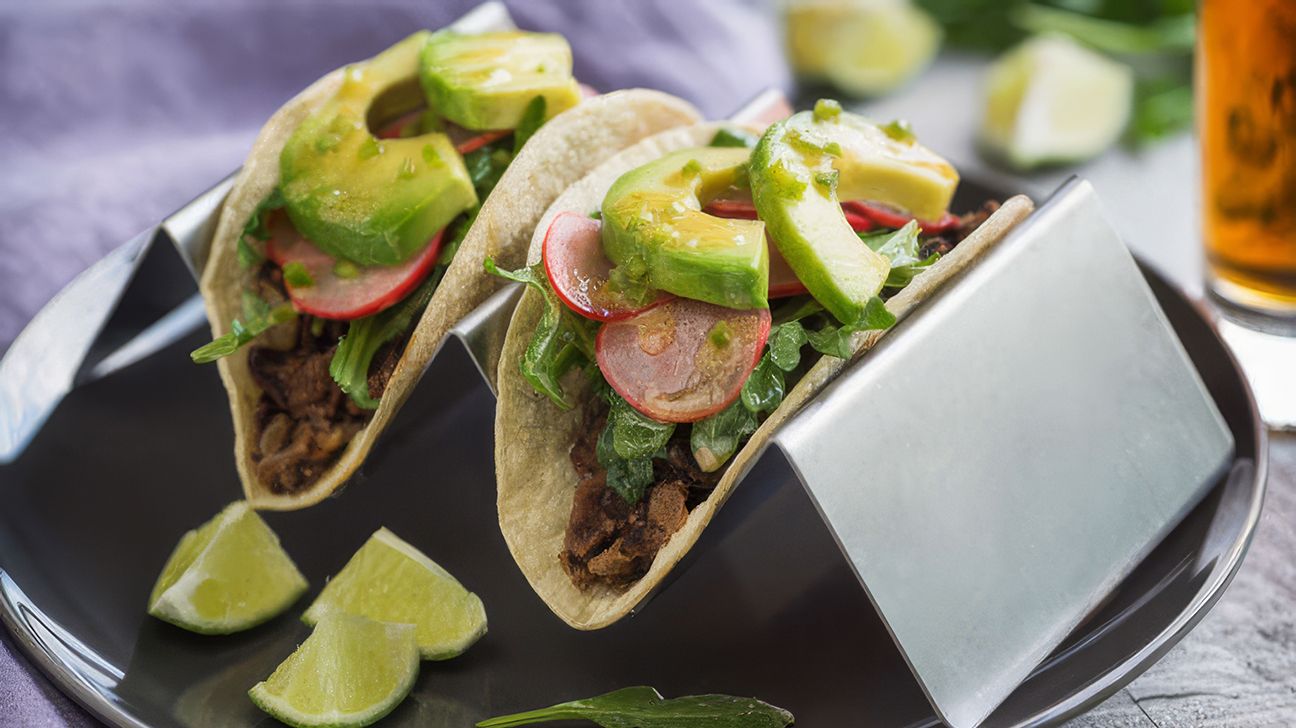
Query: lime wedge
[[391, 581], [863, 47], [351, 671], [228, 575], [1051, 100]]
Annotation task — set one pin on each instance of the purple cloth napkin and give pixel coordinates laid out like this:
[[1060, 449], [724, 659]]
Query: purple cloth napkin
[[114, 115]]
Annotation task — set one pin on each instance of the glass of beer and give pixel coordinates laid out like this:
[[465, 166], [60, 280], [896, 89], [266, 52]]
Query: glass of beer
[[1246, 124]]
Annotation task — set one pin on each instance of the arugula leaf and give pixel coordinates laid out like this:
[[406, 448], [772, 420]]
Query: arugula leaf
[[715, 439], [835, 340], [629, 478], [486, 165], [258, 316], [902, 248], [450, 246], [635, 435], [356, 349], [727, 137], [764, 389], [562, 339], [644, 707], [255, 228], [533, 117], [785, 342]]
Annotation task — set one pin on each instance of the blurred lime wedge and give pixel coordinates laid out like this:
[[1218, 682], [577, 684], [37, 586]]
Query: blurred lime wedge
[[863, 47], [1051, 100], [391, 581], [228, 575], [351, 671]]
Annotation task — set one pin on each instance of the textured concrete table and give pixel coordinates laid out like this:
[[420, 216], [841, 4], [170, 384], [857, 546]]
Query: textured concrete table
[[176, 97]]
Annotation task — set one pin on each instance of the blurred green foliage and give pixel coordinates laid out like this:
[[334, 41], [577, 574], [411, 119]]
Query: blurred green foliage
[[1155, 37]]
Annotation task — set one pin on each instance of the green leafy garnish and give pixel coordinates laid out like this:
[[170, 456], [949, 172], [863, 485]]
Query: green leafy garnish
[[727, 137], [634, 435], [296, 275], [902, 248], [764, 389], [255, 229], [486, 165], [644, 707], [715, 439], [627, 477], [562, 339], [258, 316], [356, 350], [533, 117]]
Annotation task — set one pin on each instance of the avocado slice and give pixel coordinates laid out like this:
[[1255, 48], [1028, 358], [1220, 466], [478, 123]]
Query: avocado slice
[[486, 81], [656, 233], [368, 200], [804, 165]]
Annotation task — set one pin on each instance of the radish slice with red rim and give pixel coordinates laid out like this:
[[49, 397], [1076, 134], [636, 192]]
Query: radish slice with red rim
[[683, 360], [578, 270], [343, 297], [881, 216], [745, 210]]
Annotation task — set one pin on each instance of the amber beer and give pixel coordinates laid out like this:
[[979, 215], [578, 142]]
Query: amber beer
[[1246, 116]]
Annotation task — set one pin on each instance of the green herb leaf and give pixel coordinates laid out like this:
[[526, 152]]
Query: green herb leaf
[[635, 435], [836, 340], [355, 352], [715, 439], [255, 229], [644, 707], [727, 137], [296, 275], [533, 117], [258, 316], [627, 478], [785, 342], [902, 248], [486, 165], [763, 391], [562, 339], [1168, 33]]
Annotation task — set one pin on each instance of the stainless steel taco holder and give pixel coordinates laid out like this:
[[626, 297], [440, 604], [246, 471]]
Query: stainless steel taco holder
[[989, 472]]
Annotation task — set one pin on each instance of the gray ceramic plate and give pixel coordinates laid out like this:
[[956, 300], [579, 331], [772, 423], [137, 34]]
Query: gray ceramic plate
[[765, 607]]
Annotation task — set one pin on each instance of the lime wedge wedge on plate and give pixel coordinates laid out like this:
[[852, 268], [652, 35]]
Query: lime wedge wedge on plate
[[228, 575], [863, 47], [391, 581], [1051, 100], [351, 671]]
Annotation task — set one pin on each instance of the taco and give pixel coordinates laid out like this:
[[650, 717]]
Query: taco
[[353, 238], [684, 298]]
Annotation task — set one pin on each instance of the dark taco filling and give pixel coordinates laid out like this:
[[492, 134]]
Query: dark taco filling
[[683, 378], [377, 192]]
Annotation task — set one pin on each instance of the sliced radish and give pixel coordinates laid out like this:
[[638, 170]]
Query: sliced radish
[[578, 269], [683, 360], [331, 296], [888, 218], [745, 210], [480, 140]]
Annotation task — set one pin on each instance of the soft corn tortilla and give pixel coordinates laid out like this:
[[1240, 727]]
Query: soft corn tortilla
[[560, 153], [533, 437]]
